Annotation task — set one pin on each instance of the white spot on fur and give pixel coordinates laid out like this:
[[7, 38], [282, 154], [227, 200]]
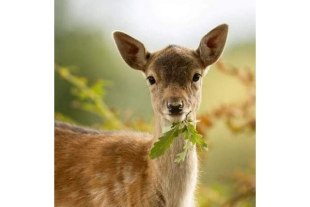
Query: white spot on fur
[[99, 197], [119, 190], [129, 174], [102, 176]]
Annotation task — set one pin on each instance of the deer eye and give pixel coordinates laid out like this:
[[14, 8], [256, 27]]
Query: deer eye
[[151, 79], [196, 77]]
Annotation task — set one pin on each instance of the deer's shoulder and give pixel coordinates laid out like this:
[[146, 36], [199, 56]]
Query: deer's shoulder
[[113, 164]]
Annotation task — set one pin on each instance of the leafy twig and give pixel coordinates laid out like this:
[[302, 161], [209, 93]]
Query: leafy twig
[[93, 94], [191, 137]]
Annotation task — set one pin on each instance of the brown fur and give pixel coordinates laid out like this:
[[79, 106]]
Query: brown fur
[[84, 162], [99, 169]]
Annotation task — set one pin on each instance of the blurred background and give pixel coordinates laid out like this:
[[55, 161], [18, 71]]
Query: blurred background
[[94, 87]]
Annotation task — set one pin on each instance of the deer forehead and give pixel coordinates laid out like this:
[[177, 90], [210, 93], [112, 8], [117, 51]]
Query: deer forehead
[[174, 64]]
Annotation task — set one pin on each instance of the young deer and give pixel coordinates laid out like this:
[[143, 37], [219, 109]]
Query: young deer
[[98, 169]]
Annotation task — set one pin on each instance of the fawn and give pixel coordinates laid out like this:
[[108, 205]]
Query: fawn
[[102, 169]]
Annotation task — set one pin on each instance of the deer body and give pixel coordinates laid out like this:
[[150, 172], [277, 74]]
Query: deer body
[[98, 169]]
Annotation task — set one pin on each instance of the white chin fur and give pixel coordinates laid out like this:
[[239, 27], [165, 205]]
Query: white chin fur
[[173, 119]]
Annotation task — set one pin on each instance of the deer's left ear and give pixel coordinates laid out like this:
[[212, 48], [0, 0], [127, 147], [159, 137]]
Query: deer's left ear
[[212, 45]]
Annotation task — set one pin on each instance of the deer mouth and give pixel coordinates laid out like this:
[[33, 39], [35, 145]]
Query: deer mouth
[[176, 114], [175, 117]]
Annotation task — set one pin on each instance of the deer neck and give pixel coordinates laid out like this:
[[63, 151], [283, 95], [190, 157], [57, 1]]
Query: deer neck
[[177, 181]]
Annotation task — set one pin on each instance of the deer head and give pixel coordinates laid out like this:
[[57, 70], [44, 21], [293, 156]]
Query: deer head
[[174, 74]]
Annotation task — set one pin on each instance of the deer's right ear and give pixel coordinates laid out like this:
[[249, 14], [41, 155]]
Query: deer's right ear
[[132, 51]]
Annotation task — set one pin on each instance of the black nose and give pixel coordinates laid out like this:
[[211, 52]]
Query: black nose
[[175, 106]]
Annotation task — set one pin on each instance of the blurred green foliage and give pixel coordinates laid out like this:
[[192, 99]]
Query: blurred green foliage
[[90, 98]]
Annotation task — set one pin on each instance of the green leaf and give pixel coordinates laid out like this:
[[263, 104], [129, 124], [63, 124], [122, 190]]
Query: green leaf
[[165, 141], [181, 156], [196, 138], [191, 136]]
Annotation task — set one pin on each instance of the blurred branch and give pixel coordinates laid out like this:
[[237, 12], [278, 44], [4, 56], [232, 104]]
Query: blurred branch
[[233, 201], [239, 117], [246, 76], [94, 94]]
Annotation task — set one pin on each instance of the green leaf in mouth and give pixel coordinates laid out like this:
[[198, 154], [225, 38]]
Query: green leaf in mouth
[[191, 137]]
